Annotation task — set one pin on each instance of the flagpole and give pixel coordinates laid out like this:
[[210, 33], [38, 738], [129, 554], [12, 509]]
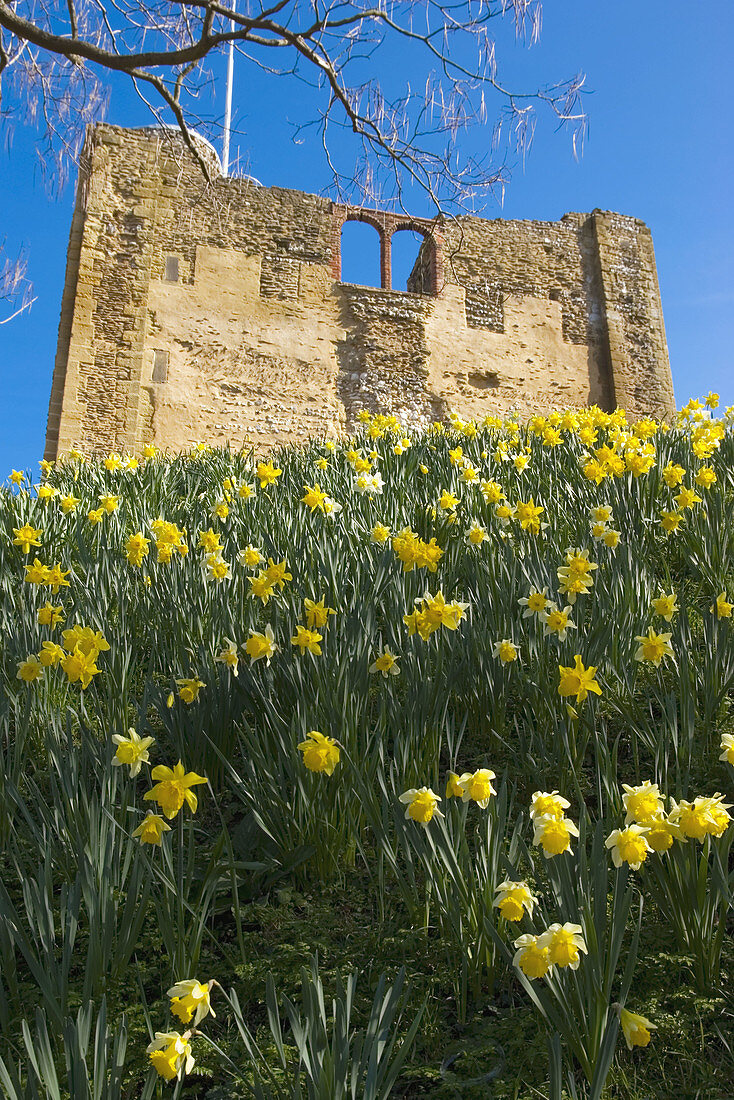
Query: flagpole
[[228, 104]]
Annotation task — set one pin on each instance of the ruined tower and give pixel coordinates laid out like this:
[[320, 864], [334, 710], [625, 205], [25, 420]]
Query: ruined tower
[[193, 312]]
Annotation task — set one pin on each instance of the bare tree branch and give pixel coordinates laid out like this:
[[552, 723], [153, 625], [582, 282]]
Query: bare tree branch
[[58, 56]]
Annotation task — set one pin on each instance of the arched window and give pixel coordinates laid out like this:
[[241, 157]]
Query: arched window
[[360, 254], [412, 261]]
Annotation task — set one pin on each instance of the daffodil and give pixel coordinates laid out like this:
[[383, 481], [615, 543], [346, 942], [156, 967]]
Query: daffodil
[[722, 607], [80, 667], [514, 899], [261, 646], [506, 650], [421, 804], [229, 656], [49, 615], [317, 614], [173, 788], [557, 621], [170, 1054], [29, 670], [189, 688], [532, 956], [26, 536], [641, 802], [132, 750], [386, 664], [727, 748], [267, 473], [477, 786], [653, 647], [665, 606], [320, 753], [151, 829], [565, 943], [307, 639], [136, 549], [250, 557], [51, 654], [704, 816], [629, 845], [191, 1001], [635, 1028], [548, 804], [577, 680], [534, 603], [553, 834]]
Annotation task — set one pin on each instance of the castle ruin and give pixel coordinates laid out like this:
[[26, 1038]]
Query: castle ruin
[[194, 312]]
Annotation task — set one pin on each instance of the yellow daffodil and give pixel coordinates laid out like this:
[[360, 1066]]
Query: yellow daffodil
[[722, 607], [317, 614], [506, 650], [653, 647], [565, 943], [26, 536], [250, 557], [29, 670], [629, 845], [531, 956], [229, 656], [307, 639], [170, 1054], [557, 621], [635, 1028], [151, 829], [49, 615], [261, 646], [173, 788], [421, 804], [535, 602], [267, 473], [514, 899], [320, 753], [665, 606], [727, 748], [189, 688], [136, 549], [191, 1001], [548, 804], [553, 834], [477, 786], [132, 750], [642, 802], [577, 680], [386, 664]]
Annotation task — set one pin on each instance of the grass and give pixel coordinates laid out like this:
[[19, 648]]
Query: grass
[[283, 868]]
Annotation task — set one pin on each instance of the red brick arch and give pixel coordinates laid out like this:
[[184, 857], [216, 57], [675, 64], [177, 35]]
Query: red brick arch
[[386, 224]]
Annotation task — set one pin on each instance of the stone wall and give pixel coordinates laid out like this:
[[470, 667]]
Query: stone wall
[[194, 311]]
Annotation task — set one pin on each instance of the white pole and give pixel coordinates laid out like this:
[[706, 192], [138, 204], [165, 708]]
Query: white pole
[[228, 104]]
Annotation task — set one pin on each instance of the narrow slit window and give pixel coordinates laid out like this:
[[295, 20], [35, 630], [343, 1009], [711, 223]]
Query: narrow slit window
[[160, 366], [171, 269]]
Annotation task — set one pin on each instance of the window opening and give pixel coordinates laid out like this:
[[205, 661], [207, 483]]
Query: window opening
[[405, 246], [160, 366], [171, 269], [360, 254]]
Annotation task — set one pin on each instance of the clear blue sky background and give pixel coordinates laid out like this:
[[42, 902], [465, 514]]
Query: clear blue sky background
[[660, 147]]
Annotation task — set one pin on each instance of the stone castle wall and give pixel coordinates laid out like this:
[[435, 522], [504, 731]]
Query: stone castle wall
[[217, 312]]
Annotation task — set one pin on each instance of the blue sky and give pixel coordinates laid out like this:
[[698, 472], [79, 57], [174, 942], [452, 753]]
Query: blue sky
[[659, 146]]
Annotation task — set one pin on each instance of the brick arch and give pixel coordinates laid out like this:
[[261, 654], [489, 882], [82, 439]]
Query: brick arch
[[373, 218], [431, 282], [386, 224]]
